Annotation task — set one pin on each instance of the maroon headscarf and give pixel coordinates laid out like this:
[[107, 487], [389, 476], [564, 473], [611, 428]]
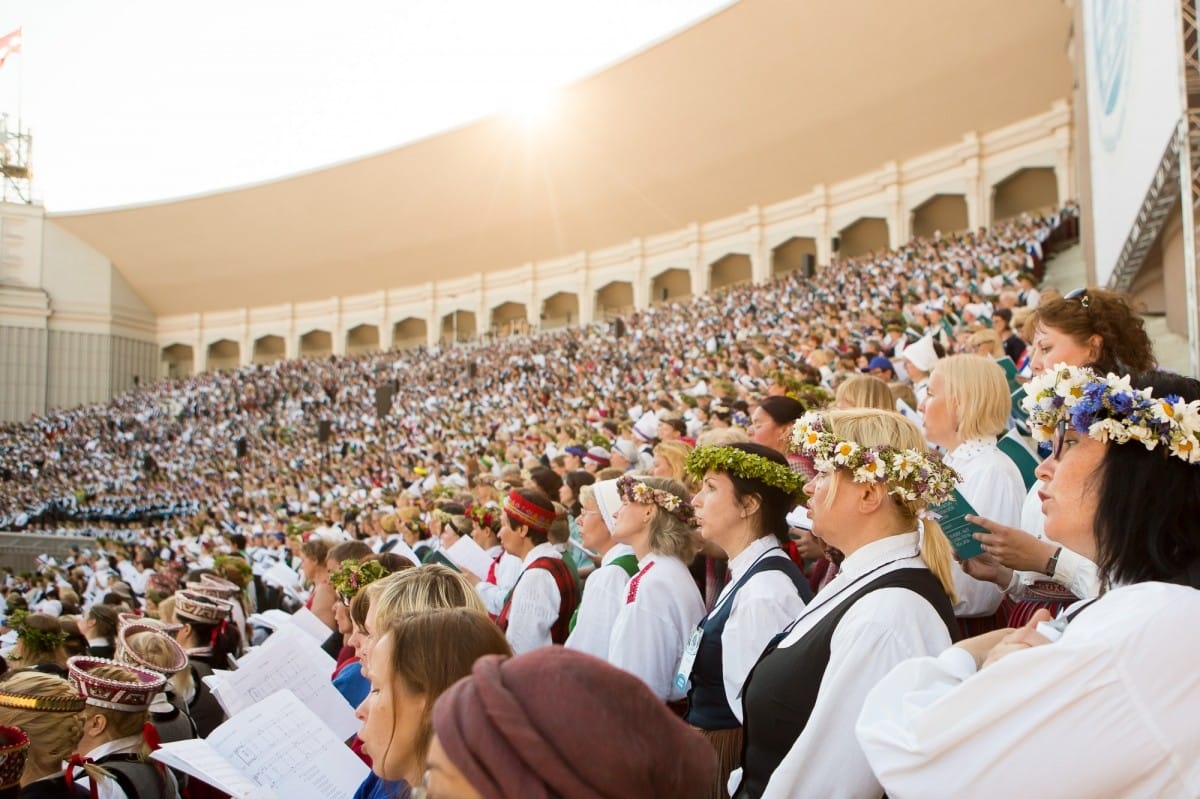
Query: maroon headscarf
[[556, 722]]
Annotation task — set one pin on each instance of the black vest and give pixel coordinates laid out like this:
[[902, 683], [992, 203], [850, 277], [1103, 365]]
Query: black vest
[[782, 688], [708, 707]]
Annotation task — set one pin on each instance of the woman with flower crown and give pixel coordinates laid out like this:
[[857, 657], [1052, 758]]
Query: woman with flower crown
[[1102, 700], [746, 491], [662, 603], [892, 600], [1090, 327]]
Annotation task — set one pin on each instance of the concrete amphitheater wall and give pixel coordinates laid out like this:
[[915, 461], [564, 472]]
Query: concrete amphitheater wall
[[72, 331], [984, 177]]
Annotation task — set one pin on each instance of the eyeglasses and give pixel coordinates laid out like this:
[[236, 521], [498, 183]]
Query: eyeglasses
[[1060, 438], [1078, 294]]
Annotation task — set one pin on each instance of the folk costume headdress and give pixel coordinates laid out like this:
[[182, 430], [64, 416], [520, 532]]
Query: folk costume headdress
[[746, 465], [910, 474], [130, 696], [1108, 409], [632, 489], [522, 511]]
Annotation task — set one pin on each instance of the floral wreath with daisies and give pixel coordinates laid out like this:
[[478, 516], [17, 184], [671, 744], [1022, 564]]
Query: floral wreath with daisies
[[1108, 409], [910, 474], [633, 490]]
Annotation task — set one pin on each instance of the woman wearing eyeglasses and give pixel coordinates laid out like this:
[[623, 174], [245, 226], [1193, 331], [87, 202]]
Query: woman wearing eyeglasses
[[1100, 702], [1087, 327]]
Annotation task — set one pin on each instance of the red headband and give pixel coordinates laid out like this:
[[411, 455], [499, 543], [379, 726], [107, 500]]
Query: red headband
[[527, 513]]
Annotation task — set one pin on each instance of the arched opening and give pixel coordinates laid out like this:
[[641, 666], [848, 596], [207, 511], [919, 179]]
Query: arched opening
[[614, 299], [409, 333], [864, 235], [797, 254], [316, 344], [458, 326], [560, 310], [509, 318], [1024, 191], [223, 354], [941, 213], [729, 270], [670, 286], [362, 339], [177, 361], [268, 349]]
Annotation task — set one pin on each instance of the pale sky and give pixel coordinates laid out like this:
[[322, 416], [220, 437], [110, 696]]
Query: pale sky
[[134, 101]]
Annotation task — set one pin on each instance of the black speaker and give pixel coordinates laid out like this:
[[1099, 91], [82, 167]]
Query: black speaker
[[664, 294], [619, 327], [808, 264], [324, 431], [472, 370], [383, 400], [837, 243], [241, 446]]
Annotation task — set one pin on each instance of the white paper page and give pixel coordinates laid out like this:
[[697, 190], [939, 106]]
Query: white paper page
[[282, 744], [402, 549], [281, 576], [470, 556], [307, 621], [199, 759], [272, 619], [290, 660]]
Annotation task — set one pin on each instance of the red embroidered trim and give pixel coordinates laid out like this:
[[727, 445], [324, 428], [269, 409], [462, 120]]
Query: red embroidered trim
[[631, 594]]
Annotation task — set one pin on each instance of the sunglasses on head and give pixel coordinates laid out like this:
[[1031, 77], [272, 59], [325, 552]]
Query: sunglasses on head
[[1078, 294]]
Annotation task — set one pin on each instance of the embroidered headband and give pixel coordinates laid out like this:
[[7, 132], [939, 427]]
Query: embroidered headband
[[745, 465], [14, 752], [197, 607], [527, 513], [910, 474], [633, 490], [1110, 409], [127, 655], [48, 704], [123, 695]]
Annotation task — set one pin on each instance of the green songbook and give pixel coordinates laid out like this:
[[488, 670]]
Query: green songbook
[[951, 516], [1010, 372]]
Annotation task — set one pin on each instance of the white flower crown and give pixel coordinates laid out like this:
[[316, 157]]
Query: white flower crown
[[910, 474], [1109, 409]]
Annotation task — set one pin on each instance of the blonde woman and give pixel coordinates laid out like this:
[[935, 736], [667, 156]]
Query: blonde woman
[[431, 586], [118, 708], [965, 411], [891, 600], [670, 458], [662, 602], [864, 391], [50, 711]]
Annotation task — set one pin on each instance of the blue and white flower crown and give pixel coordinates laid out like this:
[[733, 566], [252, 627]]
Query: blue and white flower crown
[[910, 474], [1109, 409]]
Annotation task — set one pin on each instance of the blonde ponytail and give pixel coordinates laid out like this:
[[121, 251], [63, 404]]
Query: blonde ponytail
[[937, 553]]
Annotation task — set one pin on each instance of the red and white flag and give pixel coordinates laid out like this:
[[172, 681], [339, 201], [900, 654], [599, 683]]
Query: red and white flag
[[10, 44]]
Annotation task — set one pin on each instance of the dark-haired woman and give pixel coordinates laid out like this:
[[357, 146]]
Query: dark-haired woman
[[746, 491], [1101, 701], [771, 423], [538, 610], [1090, 327]]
